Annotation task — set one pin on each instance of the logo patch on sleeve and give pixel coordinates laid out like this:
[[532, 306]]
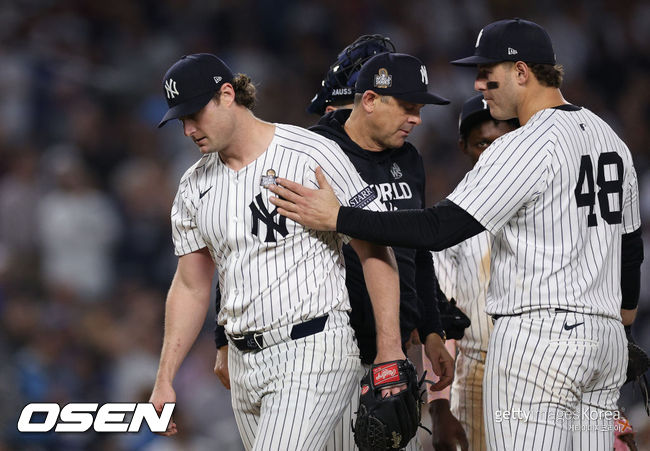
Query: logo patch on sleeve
[[363, 197]]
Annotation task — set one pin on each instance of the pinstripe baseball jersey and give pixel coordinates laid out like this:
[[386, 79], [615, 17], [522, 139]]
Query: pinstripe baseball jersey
[[566, 190], [272, 271], [464, 274]]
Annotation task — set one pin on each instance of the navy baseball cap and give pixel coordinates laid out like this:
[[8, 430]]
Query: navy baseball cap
[[191, 82], [398, 75], [511, 40], [474, 109]]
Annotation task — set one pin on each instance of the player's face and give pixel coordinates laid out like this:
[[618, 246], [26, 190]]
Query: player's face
[[210, 128], [393, 120], [481, 136], [496, 82]]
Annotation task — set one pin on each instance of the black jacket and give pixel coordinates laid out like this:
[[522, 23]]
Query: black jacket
[[398, 177]]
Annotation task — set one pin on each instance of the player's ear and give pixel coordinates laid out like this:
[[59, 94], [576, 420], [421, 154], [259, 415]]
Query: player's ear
[[368, 100], [522, 72], [226, 94]]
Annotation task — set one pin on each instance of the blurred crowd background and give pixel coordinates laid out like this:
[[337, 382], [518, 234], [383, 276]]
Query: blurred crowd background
[[87, 180]]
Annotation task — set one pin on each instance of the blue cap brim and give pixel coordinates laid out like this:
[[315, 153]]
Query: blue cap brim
[[426, 98], [474, 60], [191, 106]]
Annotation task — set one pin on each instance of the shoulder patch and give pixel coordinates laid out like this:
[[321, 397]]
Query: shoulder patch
[[363, 197]]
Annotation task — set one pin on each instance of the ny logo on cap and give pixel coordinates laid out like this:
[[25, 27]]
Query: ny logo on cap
[[478, 39], [423, 74], [170, 89], [382, 79]]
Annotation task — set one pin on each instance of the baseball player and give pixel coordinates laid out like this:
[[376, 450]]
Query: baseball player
[[293, 358], [387, 170], [371, 135], [395, 170], [560, 196], [337, 91], [464, 273]]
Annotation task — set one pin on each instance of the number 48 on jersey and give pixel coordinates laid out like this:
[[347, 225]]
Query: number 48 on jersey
[[609, 179]]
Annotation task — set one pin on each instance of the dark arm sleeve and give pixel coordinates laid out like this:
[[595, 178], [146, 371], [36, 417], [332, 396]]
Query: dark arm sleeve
[[631, 259], [426, 286], [219, 331], [435, 228]]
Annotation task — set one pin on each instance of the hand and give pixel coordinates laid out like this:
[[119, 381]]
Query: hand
[[162, 394], [441, 362], [448, 433], [383, 357], [221, 366], [627, 316], [317, 209]]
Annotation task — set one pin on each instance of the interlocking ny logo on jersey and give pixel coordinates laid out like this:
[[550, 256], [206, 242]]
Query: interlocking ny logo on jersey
[[170, 89], [261, 213]]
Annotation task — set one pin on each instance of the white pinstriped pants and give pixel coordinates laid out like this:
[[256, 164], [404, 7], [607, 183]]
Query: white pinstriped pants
[[466, 400], [552, 381], [289, 396]]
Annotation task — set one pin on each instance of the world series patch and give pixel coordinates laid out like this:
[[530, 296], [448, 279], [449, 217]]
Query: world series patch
[[268, 178], [363, 197]]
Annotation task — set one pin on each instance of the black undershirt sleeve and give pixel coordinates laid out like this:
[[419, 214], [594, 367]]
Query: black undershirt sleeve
[[631, 259], [434, 228]]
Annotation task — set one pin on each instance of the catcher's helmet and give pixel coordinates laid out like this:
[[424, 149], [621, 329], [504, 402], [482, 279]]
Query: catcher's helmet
[[342, 75]]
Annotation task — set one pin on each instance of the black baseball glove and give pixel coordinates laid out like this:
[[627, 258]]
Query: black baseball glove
[[453, 320], [637, 365], [388, 423]]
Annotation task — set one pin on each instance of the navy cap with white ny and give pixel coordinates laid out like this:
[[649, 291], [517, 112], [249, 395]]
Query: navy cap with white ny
[[191, 82], [397, 75], [511, 40]]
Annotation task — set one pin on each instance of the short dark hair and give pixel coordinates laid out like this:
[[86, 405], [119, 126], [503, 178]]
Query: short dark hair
[[548, 74]]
